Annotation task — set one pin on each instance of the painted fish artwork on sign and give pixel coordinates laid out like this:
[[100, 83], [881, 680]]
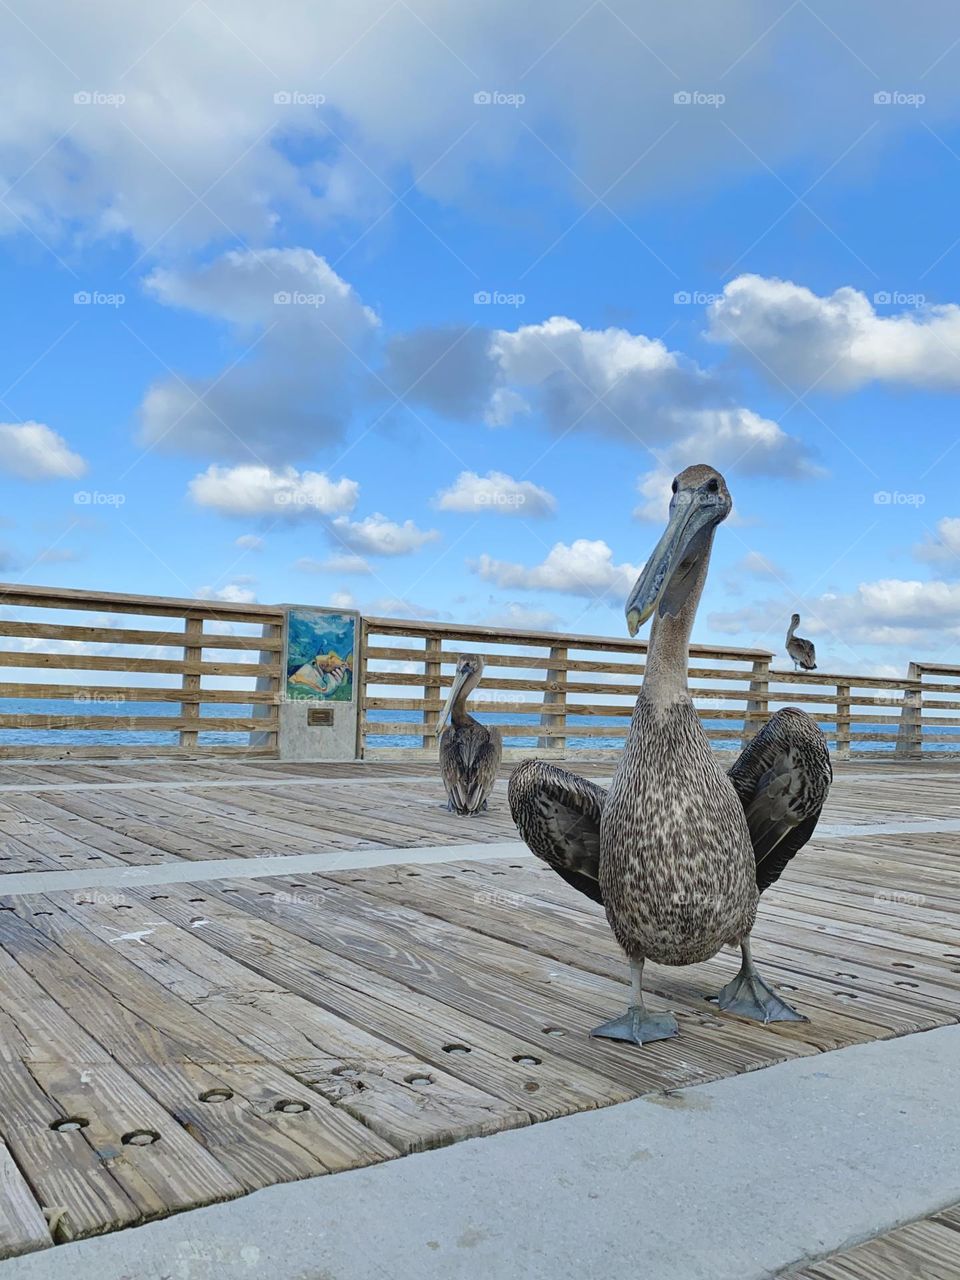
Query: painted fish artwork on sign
[[320, 655]]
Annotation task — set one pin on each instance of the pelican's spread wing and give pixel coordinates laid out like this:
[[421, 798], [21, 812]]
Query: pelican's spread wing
[[469, 760], [782, 778], [558, 816]]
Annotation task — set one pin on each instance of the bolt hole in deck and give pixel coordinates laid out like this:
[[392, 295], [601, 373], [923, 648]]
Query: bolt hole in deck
[[140, 1138], [274, 993], [69, 1124]]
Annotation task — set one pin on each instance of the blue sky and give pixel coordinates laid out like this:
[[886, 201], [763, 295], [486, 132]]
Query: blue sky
[[764, 277]]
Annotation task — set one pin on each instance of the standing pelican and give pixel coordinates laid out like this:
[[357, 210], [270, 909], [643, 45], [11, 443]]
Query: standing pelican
[[678, 851], [469, 751], [801, 651]]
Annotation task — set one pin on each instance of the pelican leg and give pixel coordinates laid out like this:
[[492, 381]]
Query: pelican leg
[[750, 996], [637, 1026]]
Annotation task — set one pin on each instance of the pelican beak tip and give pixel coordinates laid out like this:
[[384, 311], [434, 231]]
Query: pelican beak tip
[[633, 621]]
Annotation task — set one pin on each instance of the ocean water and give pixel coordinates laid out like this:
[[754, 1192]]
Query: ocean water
[[210, 735]]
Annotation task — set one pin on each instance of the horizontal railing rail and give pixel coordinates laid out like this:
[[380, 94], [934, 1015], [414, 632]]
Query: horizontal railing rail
[[155, 675], [561, 695]]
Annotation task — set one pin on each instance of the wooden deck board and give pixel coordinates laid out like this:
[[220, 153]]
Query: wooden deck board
[[400, 1007]]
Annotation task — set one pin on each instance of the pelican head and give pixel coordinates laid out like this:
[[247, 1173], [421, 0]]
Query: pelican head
[[466, 678], [795, 620], [701, 500]]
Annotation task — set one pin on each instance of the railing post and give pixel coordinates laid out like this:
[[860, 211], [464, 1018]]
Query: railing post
[[843, 721], [190, 708], [431, 691], [758, 700], [556, 700], [361, 677], [909, 732], [269, 738]]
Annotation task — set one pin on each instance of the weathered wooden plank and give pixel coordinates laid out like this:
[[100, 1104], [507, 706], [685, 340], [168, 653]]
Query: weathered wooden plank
[[23, 1228]]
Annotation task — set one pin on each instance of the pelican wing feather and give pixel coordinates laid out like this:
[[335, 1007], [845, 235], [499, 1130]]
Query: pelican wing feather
[[469, 760], [558, 815], [782, 778]]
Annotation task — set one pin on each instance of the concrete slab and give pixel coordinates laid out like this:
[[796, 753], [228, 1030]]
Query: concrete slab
[[728, 1181], [285, 864]]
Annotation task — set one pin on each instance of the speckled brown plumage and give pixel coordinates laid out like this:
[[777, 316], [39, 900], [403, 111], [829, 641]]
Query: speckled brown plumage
[[469, 759], [469, 751], [678, 849]]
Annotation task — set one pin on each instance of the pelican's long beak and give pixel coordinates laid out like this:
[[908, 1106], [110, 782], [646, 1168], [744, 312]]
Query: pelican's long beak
[[690, 516], [459, 680]]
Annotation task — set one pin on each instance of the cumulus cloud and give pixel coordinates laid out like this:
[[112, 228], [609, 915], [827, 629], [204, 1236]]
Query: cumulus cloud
[[887, 611], [199, 150], [944, 547], [582, 568], [350, 564], [249, 542], [607, 381], [238, 592], [497, 493], [760, 566], [839, 341], [522, 617], [377, 536], [302, 338], [33, 451], [285, 493]]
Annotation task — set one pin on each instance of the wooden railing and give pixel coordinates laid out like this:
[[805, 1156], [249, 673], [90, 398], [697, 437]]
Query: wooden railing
[[225, 661], [562, 695]]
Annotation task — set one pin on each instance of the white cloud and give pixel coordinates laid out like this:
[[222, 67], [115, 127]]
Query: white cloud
[[497, 493], [584, 568], [249, 542], [377, 536], [945, 547], [302, 339], [198, 149], [334, 564], [232, 592], [32, 451], [342, 600], [839, 341], [760, 566], [522, 617], [602, 381], [285, 493]]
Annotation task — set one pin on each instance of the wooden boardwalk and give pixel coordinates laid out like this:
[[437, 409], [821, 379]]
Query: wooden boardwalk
[[166, 1045]]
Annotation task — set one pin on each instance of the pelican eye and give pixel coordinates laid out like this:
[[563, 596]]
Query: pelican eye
[[674, 487]]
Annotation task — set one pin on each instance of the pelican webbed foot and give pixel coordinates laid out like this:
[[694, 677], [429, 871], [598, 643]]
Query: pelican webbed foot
[[637, 1026], [749, 996]]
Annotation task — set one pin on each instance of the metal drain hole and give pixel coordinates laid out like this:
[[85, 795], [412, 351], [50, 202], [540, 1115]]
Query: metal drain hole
[[140, 1138], [69, 1124]]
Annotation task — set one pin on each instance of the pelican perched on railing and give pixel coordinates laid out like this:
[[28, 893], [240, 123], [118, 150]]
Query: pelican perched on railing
[[469, 751], [678, 851], [801, 651]]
